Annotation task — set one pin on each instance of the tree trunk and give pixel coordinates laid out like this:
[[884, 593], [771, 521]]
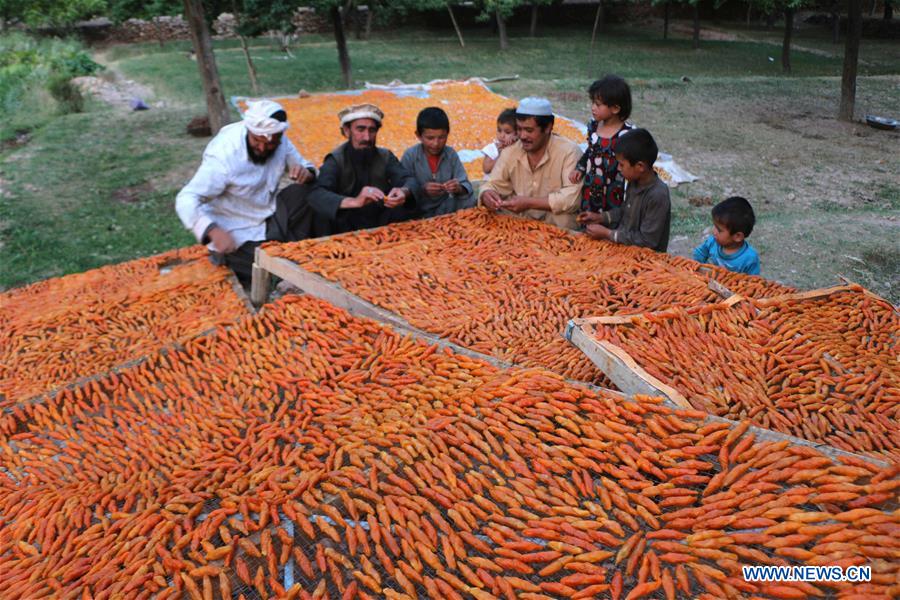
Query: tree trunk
[[786, 43], [598, 19], [770, 20], [851, 60], [666, 21], [216, 107], [370, 14], [836, 26], [696, 24], [749, 13], [251, 68], [462, 42], [872, 8], [358, 26], [347, 14], [159, 32], [501, 29], [534, 19], [343, 53], [888, 10]]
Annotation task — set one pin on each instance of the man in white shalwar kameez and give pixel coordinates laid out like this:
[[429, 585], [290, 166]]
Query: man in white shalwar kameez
[[232, 204]]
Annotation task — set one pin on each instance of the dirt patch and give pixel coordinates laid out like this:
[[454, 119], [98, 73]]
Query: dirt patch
[[700, 201], [133, 193], [21, 137], [706, 33], [115, 90]]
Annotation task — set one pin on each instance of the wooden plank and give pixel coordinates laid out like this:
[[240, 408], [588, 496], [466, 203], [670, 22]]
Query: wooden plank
[[720, 289], [318, 286], [241, 294], [621, 369], [259, 284]]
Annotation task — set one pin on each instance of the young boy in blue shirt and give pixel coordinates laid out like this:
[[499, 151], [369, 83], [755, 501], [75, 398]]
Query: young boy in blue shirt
[[733, 220], [443, 186]]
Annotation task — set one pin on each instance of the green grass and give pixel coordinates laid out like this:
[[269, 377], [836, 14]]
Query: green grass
[[557, 56], [59, 214]]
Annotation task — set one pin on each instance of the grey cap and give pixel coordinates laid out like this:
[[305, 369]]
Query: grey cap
[[536, 107]]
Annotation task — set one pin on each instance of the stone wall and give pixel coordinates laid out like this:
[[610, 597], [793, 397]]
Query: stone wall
[[176, 28]]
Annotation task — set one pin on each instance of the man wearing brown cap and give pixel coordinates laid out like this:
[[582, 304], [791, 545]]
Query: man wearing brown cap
[[361, 185]]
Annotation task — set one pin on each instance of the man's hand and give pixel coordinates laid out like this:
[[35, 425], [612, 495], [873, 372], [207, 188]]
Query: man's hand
[[598, 232], [367, 195], [300, 174], [434, 189], [222, 241], [575, 176], [516, 204], [590, 217], [396, 197], [491, 200], [453, 186]]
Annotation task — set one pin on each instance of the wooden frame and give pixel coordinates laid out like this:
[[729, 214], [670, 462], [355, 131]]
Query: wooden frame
[[319, 287], [629, 376]]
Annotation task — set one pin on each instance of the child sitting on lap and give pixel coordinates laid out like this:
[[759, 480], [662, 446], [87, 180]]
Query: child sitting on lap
[[506, 136], [733, 220]]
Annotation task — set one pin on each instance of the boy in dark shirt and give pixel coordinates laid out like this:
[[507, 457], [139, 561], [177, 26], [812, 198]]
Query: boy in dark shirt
[[645, 216], [443, 186]]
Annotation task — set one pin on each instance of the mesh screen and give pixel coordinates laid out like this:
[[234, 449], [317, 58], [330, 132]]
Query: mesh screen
[[57, 332], [307, 453]]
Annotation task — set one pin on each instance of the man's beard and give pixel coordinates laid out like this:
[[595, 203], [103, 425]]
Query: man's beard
[[362, 155], [255, 157]]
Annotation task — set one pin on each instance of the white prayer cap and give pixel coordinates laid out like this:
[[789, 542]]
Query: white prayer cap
[[360, 111], [535, 107], [258, 118]]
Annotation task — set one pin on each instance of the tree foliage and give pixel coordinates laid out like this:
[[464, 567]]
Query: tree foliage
[[53, 13], [122, 10]]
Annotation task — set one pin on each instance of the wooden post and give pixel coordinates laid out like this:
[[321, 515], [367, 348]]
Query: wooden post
[[696, 24], [259, 284], [786, 43], [598, 18], [251, 68], [851, 60], [666, 21], [369, 15], [343, 53], [216, 107], [462, 44], [501, 28], [836, 24]]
